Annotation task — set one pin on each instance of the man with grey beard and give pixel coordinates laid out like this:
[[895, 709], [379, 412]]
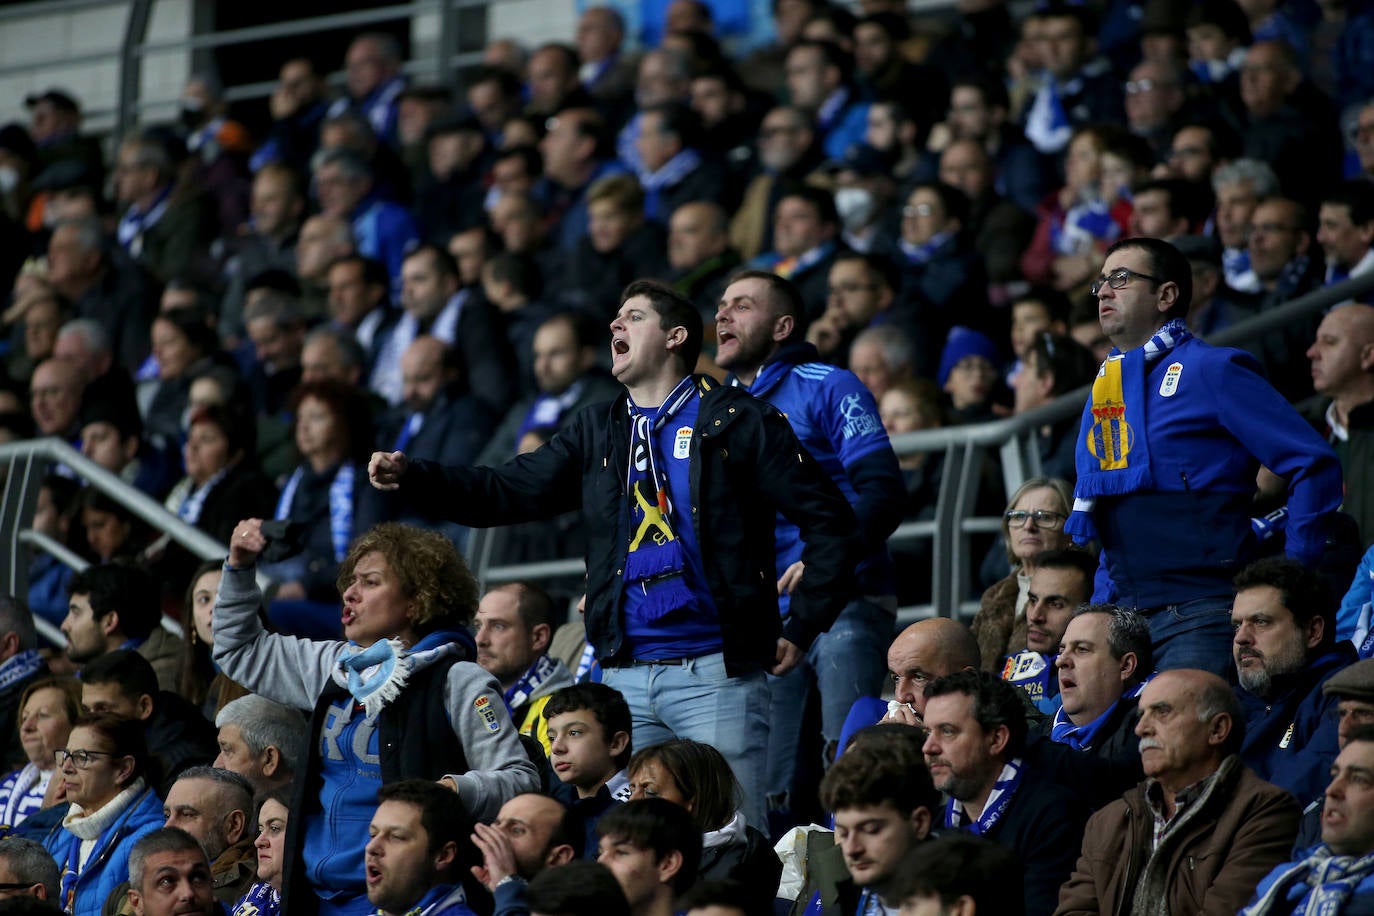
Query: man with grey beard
[[1285, 650]]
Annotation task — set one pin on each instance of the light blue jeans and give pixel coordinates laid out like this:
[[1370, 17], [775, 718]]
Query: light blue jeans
[[696, 699], [1194, 634], [845, 663]]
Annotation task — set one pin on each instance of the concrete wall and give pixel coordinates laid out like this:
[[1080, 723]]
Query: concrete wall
[[43, 38], [39, 41]]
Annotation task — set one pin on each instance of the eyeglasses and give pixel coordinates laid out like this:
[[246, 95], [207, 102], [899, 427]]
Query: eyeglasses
[[1185, 152], [1044, 518], [1135, 87], [81, 758], [917, 210], [1118, 279]]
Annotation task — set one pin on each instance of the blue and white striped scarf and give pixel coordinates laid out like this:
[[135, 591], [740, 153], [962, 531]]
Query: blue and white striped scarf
[[340, 506], [1002, 792]]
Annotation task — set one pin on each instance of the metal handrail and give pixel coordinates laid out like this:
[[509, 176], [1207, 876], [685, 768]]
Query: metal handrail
[[964, 448], [23, 464]]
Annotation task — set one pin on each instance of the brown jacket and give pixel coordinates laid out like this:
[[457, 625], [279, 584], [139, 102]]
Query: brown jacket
[[1209, 862], [995, 625]]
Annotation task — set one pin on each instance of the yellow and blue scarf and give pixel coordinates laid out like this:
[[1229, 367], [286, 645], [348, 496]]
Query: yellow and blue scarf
[[1113, 456]]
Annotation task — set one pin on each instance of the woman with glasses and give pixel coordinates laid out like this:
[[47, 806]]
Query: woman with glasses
[[1032, 524], [47, 710], [106, 774]]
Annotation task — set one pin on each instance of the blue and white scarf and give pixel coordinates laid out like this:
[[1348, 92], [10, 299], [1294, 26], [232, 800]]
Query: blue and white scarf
[[1112, 456], [135, 222], [375, 676], [412, 426], [437, 899], [1047, 123], [831, 109], [1002, 791], [340, 506], [548, 409], [1085, 224], [1080, 737], [194, 503], [19, 666], [922, 253], [529, 683], [1331, 879], [670, 174], [655, 561]]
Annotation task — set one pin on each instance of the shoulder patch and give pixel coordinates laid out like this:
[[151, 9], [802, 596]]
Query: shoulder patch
[[488, 715]]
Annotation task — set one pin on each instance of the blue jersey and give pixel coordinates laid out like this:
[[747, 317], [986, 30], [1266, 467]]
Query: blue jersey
[[836, 419]]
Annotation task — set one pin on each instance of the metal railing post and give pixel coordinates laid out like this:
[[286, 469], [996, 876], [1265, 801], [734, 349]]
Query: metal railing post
[[131, 65]]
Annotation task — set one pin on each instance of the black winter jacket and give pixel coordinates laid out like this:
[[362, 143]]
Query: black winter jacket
[[746, 466]]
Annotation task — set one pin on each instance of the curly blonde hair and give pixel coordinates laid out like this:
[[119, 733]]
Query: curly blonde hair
[[428, 568]]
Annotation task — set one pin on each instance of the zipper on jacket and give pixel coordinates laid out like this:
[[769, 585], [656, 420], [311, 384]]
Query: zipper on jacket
[[1184, 476]]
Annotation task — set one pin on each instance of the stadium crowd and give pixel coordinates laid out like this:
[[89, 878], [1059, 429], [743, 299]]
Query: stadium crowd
[[659, 300]]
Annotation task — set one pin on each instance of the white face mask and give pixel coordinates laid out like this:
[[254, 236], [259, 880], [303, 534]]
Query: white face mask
[[855, 206], [9, 178]]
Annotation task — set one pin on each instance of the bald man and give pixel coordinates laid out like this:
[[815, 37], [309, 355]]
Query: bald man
[[922, 652], [436, 418], [1226, 826], [1342, 358]]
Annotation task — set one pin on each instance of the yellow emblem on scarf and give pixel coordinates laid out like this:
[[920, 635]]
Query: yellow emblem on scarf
[[1110, 437], [653, 525]]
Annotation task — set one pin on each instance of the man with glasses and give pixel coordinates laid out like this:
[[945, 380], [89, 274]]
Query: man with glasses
[[1171, 440]]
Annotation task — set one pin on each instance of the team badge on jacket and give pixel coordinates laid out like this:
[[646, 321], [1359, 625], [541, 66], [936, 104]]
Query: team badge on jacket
[[1170, 383]]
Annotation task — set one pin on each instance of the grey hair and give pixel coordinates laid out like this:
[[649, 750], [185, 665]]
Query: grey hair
[[1127, 631], [16, 618], [893, 341], [349, 162], [344, 342], [280, 308], [30, 863], [264, 724], [152, 152], [1261, 177], [94, 337], [239, 789], [165, 839], [89, 234]]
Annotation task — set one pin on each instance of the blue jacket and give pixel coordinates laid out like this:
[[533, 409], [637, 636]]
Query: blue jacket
[[1290, 738], [384, 231], [836, 419], [1188, 536], [1353, 618], [108, 864]]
